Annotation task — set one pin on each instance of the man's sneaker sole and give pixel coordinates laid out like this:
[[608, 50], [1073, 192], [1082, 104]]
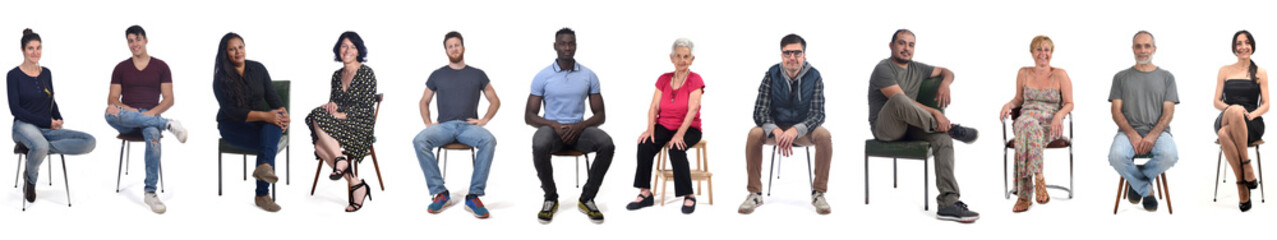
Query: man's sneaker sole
[[484, 216], [958, 219], [444, 207]]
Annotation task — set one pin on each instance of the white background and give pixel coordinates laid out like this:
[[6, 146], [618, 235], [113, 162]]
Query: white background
[[627, 43]]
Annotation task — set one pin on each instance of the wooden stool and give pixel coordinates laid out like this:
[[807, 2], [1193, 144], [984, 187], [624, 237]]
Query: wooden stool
[[700, 174]]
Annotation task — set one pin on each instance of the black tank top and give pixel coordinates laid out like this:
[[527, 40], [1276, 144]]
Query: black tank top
[[1244, 92]]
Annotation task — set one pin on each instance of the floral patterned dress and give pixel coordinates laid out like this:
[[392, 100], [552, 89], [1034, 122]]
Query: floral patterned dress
[[1032, 130], [355, 133]]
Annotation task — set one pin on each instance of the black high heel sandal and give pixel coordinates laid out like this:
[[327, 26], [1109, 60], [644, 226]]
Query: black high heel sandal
[[338, 173], [1251, 184], [1245, 206], [367, 193]]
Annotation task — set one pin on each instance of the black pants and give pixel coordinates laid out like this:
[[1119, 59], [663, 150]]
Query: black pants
[[546, 141], [678, 159]]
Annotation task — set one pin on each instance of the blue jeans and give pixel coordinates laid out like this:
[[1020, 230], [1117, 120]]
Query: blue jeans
[[1164, 156], [449, 132], [42, 141], [134, 121], [255, 135]]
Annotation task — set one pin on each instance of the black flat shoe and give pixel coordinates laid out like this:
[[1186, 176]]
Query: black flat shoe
[[689, 209], [647, 201]]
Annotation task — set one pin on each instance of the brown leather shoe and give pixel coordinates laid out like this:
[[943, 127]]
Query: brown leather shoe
[[266, 203]]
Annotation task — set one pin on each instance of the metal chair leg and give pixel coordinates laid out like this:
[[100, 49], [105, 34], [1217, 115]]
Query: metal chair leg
[[771, 170], [120, 166], [894, 180], [161, 176], [926, 185], [66, 180], [445, 162], [1218, 162], [578, 171], [866, 179], [219, 174], [810, 177], [128, 153], [1258, 161], [245, 168], [1006, 191]]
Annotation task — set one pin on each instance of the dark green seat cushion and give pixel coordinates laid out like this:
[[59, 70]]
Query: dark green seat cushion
[[897, 149], [909, 149]]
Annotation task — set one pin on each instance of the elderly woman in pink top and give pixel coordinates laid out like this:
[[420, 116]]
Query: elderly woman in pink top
[[674, 119]]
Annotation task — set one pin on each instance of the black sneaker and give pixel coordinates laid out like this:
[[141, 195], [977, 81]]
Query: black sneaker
[[647, 201], [591, 210], [1131, 195], [957, 212], [964, 134], [547, 210], [1150, 203]]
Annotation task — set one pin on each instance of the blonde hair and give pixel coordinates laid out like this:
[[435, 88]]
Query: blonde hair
[[1039, 41]]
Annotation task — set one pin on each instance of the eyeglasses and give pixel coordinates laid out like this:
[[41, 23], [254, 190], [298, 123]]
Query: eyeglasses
[[792, 53]]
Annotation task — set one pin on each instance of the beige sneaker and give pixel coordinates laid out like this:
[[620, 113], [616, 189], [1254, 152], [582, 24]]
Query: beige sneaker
[[154, 202], [266, 173], [266, 203], [818, 201], [752, 201]]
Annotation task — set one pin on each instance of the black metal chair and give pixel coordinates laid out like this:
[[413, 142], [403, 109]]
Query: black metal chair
[[22, 150], [126, 148]]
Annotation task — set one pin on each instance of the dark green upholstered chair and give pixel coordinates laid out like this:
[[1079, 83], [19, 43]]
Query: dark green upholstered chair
[[1163, 191], [914, 150], [281, 88]]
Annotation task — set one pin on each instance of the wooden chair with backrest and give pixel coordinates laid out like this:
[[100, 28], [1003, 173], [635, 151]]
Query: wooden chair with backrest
[[372, 152]]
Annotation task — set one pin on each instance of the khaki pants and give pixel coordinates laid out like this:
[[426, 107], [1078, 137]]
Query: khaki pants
[[818, 137]]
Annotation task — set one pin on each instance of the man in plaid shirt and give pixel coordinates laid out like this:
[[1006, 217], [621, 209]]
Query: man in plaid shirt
[[788, 112]]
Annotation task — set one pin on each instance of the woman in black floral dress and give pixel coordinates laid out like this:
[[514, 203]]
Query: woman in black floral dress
[[342, 129]]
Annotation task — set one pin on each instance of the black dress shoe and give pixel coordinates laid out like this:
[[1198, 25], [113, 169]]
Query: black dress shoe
[[647, 201]]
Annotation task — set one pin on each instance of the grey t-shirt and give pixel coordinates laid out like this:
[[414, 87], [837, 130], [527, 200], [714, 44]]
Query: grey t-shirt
[[457, 92], [1142, 95], [887, 73]]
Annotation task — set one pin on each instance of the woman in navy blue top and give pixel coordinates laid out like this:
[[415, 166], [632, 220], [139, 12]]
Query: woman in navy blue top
[[250, 114], [37, 123]]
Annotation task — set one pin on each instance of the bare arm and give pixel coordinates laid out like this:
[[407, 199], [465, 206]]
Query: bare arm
[[653, 109], [1263, 89], [1066, 96], [494, 103], [1122, 124], [424, 105], [166, 90], [113, 98], [943, 93], [596, 107], [1219, 90], [693, 106], [1168, 112], [532, 113]]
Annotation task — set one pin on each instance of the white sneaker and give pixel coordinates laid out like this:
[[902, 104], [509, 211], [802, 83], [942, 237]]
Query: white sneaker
[[752, 201], [153, 201], [176, 128], [818, 200]]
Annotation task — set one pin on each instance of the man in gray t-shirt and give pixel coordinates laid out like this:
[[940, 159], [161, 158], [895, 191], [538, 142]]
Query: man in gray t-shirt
[[458, 87], [1144, 98], [895, 115]]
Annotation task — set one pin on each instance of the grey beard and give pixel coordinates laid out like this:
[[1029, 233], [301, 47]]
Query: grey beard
[[1149, 60]]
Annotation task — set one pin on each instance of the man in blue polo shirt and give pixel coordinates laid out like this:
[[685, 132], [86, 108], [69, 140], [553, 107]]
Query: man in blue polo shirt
[[562, 87]]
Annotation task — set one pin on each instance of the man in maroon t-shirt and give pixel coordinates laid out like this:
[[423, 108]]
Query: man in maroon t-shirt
[[134, 106]]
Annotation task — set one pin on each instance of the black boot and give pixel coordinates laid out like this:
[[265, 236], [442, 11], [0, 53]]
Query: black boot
[[28, 188]]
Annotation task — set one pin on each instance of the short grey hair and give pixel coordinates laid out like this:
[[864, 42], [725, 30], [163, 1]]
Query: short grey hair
[[1150, 36], [683, 42]]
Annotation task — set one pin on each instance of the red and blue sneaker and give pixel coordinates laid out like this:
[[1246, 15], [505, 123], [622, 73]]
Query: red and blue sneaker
[[439, 202], [475, 206]]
